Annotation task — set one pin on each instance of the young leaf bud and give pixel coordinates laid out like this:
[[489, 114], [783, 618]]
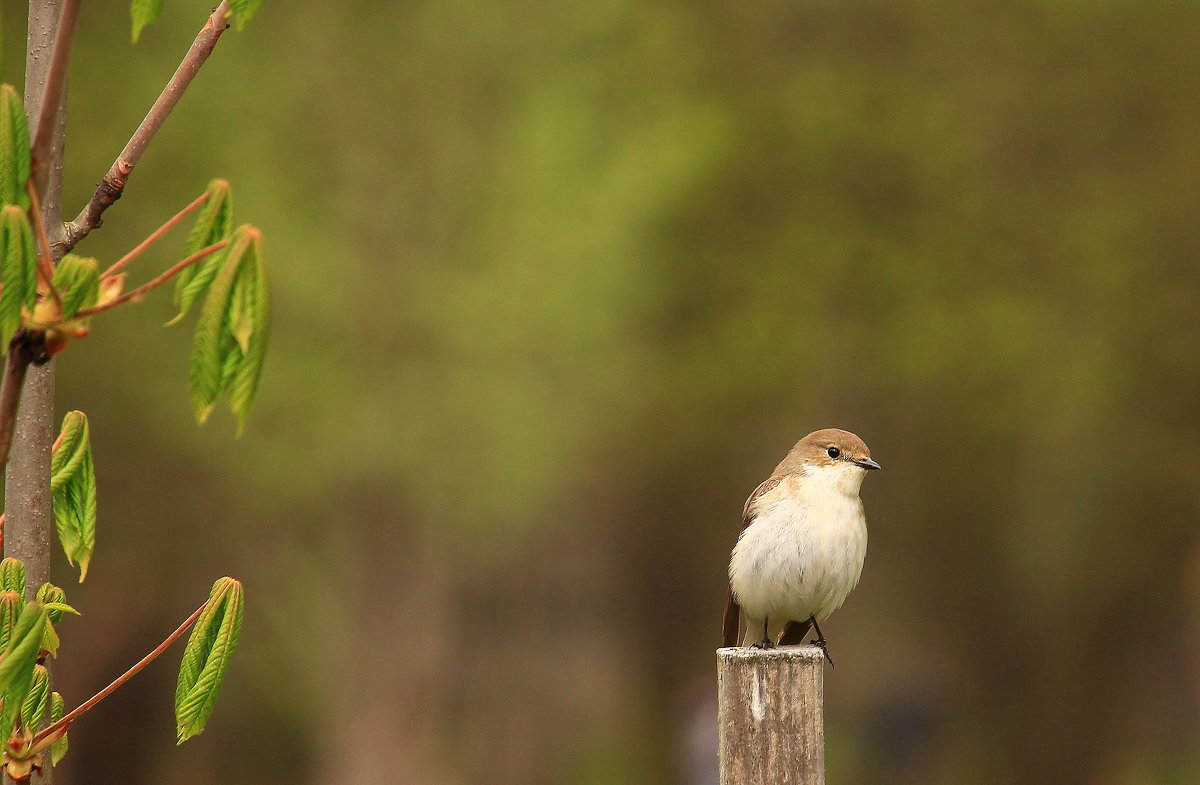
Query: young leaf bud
[[12, 576]]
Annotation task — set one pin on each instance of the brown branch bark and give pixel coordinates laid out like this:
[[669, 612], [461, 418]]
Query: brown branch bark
[[29, 517], [113, 184], [29, 520], [42, 128], [15, 367]]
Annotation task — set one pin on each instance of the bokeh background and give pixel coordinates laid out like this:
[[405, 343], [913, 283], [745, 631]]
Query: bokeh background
[[556, 285]]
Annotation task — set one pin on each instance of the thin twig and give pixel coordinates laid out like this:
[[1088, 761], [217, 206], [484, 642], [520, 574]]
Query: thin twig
[[159, 232], [56, 77], [15, 367], [124, 677], [44, 263], [113, 185], [160, 280]]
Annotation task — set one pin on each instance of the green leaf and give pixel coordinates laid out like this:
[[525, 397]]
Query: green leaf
[[213, 225], [55, 600], [50, 639], [18, 271], [243, 10], [58, 710], [77, 281], [142, 13], [14, 149], [73, 491], [11, 605], [12, 576], [251, 331], [34, 707], [20, 657], [229, 348], [206, 657]]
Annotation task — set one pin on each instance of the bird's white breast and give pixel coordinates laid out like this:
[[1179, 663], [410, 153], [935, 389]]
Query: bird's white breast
[[803, 553]]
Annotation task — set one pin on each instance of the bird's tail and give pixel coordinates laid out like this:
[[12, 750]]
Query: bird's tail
[[733, 613], [794, 632]]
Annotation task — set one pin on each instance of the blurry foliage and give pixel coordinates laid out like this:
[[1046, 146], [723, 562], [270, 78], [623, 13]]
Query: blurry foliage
[[557, 284]]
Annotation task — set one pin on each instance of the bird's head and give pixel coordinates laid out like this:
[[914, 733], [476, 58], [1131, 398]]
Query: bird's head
[[833, 454]]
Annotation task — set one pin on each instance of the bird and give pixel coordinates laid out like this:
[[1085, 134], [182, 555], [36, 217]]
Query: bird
[[802, 544]]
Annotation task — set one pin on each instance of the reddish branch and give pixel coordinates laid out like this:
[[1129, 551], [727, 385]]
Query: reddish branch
[[113, 185], [124, 677], [159, 281], [21, 352], [45, 264], [159, 232]]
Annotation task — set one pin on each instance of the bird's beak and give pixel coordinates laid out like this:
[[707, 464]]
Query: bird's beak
[[867, 463]]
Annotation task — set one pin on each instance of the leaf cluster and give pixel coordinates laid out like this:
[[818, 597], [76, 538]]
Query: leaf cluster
[[27, 635], [43, 306], [231, 333]]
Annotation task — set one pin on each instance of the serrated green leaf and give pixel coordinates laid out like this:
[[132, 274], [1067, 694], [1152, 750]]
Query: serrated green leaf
[[206, 657], [231, 335], [55, 601], [243, 10], [34, 706], [215, 353], [142, 13], [12, 576], [73, 491], [50, 639], [20, 657], [71, 447], [58, 710], [14, 149], [77, 281], [252, 331], [18, 271], [214, 224], [11, 605]]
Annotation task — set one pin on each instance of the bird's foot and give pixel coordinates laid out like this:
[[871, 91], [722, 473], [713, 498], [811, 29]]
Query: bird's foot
[[820, 643], [765, 643]]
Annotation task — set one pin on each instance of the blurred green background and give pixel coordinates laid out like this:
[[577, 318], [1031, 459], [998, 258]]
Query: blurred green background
[[556, 285]]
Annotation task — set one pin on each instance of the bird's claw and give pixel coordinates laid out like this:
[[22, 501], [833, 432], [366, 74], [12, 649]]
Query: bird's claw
[[820, 644]]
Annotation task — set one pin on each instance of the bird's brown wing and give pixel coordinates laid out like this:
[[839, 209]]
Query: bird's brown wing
[[733, 611]]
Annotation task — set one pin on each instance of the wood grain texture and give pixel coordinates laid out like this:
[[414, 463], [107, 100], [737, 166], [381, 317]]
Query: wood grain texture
[[770, 715]]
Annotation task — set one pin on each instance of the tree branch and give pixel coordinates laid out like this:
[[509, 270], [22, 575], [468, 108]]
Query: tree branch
[[124, 677], [159, 232], [45, 264], [159, 281], [113, 185], [56, 78], [15, 366]]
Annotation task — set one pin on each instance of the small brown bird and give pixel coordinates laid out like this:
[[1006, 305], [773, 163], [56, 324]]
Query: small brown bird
[[802, 545]]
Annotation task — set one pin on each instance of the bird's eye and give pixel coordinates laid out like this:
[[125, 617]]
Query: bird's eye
[[833, 452]]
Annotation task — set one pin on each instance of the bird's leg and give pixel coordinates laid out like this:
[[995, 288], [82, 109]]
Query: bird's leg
[[766, 642], [820, 640]]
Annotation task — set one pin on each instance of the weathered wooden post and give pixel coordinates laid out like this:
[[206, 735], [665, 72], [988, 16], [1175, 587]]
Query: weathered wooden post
[[770, 715]]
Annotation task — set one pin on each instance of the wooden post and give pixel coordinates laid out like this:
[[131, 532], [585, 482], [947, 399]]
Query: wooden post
[[770, 715]]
